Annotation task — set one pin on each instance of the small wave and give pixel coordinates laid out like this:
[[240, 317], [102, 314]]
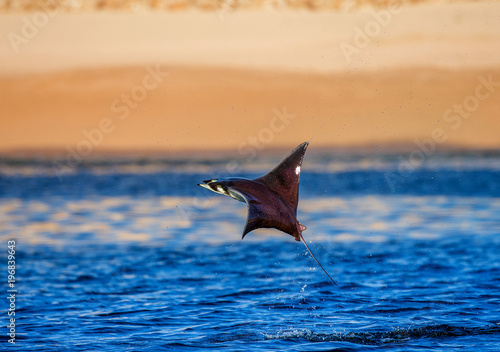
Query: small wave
[[387, 337], [245, 293]]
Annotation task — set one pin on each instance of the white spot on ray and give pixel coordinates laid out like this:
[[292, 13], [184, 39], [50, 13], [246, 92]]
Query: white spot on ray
[[221, 189], [297, 170]]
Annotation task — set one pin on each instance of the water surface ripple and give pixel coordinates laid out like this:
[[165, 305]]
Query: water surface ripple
[[145, 261]]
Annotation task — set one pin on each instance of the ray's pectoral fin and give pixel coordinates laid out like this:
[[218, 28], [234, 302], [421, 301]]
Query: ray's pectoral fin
[[284, 178]]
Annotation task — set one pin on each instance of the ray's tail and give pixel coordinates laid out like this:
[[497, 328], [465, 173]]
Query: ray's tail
[[312, 255]]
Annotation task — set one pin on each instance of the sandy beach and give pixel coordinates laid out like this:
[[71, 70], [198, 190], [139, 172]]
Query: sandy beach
[[222, 108], [190, 80]]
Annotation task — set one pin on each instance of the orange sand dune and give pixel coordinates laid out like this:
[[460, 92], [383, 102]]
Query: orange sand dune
[[174, 108]]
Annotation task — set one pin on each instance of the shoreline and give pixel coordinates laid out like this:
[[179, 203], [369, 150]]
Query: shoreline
[[118, 156]]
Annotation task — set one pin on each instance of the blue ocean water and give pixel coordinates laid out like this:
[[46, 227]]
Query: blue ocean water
[[128, 254]]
